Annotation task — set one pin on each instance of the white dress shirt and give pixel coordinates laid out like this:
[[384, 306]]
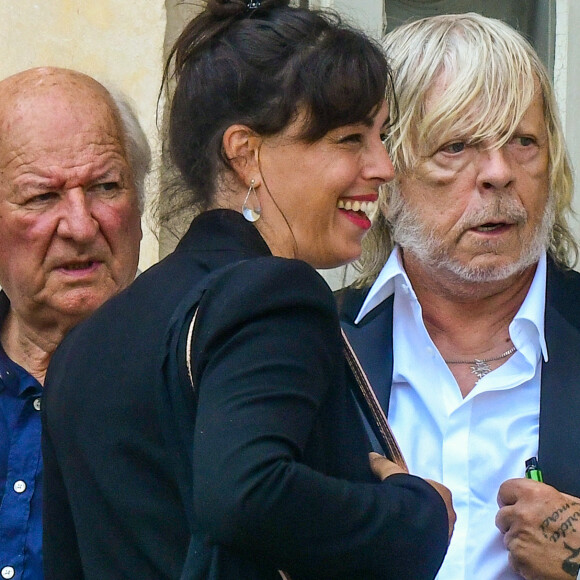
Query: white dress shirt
[[469, 444]]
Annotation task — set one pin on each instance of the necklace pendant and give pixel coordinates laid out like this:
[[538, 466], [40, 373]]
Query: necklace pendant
[[480, 368]]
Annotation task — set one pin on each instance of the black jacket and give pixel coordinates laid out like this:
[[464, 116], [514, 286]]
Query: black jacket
[[273, 473], [559, 451]]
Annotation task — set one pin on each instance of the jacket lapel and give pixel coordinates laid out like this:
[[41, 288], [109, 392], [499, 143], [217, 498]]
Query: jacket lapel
[[371, 339], [559, 446]]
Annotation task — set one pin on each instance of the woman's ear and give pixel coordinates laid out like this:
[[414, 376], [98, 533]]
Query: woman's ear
[[241, 146]]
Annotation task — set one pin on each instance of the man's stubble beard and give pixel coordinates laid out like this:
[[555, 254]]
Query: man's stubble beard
[[417, 238]]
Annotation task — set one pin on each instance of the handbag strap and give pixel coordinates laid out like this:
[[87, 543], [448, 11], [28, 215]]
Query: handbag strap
[[188, 350], [371, 407]]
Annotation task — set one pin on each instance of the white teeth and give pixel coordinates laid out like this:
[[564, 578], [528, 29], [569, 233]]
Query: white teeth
[[368, 207]]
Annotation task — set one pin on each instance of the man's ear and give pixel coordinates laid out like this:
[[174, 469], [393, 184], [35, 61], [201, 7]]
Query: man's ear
[[241, 146]]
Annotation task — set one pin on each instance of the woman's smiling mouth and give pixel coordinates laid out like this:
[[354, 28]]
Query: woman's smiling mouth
[[367, 207]]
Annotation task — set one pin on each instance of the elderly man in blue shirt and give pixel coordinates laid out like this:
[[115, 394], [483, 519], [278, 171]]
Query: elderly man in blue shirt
[[73, 161]]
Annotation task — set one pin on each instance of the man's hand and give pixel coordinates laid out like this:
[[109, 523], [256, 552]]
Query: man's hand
[[541, 528], [382, 468]]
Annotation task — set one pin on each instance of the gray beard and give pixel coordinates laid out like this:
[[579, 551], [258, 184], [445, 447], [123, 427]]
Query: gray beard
[[418, 239]]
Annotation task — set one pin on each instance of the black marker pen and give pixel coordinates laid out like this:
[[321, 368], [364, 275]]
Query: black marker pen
[[532, 469]]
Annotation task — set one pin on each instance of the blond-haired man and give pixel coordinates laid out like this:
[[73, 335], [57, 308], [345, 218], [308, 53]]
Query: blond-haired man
[[467, 315]]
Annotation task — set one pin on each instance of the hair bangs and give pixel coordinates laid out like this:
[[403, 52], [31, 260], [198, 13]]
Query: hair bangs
[[474, 103], [347, 86], [486, 112]]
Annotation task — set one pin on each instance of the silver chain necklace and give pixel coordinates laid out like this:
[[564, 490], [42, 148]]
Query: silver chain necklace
[[479, 367]]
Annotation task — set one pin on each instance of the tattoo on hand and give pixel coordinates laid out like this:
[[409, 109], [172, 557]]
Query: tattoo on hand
[[568, 566], [566, 526]]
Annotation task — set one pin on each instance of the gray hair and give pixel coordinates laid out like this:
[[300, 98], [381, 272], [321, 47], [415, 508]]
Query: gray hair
[[136, 144]]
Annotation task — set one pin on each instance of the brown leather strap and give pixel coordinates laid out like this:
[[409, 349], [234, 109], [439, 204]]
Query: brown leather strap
[[387, 439]]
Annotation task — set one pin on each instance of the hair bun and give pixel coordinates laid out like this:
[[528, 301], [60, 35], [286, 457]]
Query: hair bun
[[229, 8]]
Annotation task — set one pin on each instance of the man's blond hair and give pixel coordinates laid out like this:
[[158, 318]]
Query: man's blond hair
[[491, 76]]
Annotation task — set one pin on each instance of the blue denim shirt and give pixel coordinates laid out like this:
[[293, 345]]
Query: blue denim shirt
[[20, 470]]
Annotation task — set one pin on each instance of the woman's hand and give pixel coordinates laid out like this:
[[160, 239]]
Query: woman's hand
[[383, 468]]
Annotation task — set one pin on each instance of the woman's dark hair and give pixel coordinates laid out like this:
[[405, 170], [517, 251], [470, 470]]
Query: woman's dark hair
[[257, 67]]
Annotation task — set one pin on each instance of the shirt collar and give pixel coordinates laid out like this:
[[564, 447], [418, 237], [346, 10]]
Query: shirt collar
[[384, 285], [528, 320], [13, 378]]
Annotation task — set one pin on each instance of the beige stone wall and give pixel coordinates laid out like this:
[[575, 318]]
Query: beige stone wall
[[117, 41], [123, 42]]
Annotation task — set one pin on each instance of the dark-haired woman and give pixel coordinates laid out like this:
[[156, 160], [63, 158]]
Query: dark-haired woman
[[230, 445]]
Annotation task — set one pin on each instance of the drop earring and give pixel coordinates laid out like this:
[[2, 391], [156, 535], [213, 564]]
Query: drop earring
[[252, 214]]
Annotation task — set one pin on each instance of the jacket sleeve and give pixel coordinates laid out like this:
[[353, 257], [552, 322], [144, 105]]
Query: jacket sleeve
[[268, 354]]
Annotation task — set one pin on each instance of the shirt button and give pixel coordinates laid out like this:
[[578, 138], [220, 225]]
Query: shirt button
[[7, 572], [36, 404], [19, 487]]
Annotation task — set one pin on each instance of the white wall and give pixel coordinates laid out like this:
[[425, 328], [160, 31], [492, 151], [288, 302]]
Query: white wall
[[367, 13]]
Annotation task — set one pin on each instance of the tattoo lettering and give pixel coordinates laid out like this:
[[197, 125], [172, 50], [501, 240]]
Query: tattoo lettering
[[565, 527], [568, 566]]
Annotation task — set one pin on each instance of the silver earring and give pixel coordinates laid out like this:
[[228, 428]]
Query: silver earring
[[252, 214]]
